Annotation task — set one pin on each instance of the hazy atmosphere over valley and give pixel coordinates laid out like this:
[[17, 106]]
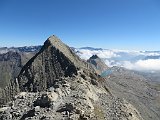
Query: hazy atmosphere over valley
[[80, 60]]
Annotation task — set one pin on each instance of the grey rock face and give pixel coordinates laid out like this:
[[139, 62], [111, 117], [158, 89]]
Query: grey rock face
[[137, 90], [10, 65], [98, 64], [47, 66], [76, 100], [56, 84], [133, 87], [43, 101]]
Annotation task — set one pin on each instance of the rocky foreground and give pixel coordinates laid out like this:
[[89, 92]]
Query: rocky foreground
[[73, 100], [56, 84]]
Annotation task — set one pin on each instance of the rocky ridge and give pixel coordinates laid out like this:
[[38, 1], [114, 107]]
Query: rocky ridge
[[56, 84], [54, 61], [10, 64], [135, 88]]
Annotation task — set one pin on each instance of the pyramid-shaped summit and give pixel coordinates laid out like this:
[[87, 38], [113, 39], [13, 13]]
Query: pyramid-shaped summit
[[54, 61], [98, 64], [63, 48], [56, 84]]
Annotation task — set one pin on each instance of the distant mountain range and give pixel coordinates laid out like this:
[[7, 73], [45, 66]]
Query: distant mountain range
[[133, 60], [21, 49], [53, 82]]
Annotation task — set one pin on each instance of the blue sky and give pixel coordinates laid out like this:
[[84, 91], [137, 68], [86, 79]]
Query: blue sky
[[112, 24]]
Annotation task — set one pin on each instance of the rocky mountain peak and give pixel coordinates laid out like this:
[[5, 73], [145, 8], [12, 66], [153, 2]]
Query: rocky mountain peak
[[54, 40], [54, 61], [94, 57], [57, 44], [98, 64], [56, 84]]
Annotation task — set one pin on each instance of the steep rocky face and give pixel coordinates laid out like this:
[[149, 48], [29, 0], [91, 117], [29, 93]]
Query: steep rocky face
[[56, 84], [10, 65], [26, 56], [54, 61], [98, 64]]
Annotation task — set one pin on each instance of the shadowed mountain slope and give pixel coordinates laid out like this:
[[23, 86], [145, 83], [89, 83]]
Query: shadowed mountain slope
[[98, 64], [56, 84], [53, 61], [10, 64]]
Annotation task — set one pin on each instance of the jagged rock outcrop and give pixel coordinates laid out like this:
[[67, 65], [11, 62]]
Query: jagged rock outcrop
[[10, 64], [54, 61], [98, 64], [56, 84]]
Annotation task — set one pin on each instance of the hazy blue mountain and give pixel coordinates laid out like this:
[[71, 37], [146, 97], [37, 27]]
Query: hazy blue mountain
[[91, 48], [133, 60], [20, 49]]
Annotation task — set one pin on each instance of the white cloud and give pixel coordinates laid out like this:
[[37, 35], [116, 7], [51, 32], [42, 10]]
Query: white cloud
[[150, 64], [126, 59], [111, 63], [86, 54]]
